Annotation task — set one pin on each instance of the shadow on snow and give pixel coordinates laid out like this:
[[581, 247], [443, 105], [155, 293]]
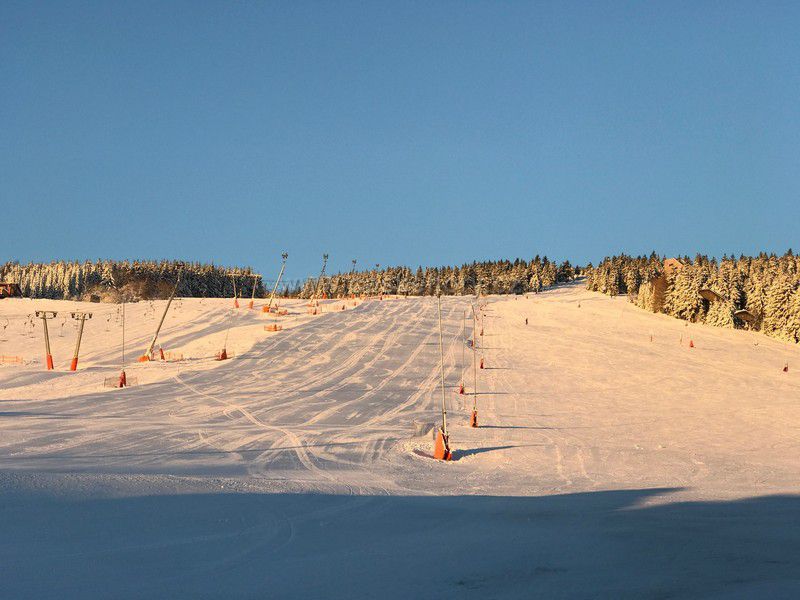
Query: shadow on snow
[[607, 544]]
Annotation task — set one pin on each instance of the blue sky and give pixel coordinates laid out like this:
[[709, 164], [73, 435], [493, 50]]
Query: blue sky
[[397, 133]]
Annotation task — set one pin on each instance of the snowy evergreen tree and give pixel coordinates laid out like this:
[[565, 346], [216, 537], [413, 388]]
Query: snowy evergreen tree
[[720, 314], [137, 279], [765, 285], [776, 309]]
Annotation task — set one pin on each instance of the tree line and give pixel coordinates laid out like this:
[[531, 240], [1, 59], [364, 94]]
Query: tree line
[[113, 281], [760, 293], [487, 277]]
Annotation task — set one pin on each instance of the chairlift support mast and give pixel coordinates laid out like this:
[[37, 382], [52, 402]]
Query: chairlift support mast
[[44, 315], [81, 318]]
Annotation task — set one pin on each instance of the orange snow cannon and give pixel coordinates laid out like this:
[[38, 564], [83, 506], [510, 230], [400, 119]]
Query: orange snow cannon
[[223, 355], [441, 447], [143, 358], [273, 327]]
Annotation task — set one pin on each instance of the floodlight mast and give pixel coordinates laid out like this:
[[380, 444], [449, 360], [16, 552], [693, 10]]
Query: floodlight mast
[[235, 295], [474, 361], [123, 335], [321, 275], [123, 379], [284, 256], [255, 277], [441, 353], [146, 356], [81, 318], [463, 346]]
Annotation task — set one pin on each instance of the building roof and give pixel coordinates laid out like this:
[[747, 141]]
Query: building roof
[[671, 265]]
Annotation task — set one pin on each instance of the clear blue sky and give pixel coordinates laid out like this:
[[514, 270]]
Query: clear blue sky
[[398, 132]]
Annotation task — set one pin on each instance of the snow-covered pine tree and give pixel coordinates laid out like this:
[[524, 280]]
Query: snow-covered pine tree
[[683, 299], [792, 327], [776, 309], [720, 314]]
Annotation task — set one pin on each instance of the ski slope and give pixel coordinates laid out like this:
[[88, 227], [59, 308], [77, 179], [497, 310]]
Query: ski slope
[[612, 460]]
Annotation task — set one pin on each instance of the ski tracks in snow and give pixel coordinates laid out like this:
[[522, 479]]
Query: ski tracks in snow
[[333, 418]]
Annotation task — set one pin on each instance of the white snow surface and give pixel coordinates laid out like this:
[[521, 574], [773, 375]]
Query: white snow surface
[[612, 460]]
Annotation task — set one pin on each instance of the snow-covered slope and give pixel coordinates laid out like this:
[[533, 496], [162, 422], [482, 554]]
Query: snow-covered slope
[[612, 460]]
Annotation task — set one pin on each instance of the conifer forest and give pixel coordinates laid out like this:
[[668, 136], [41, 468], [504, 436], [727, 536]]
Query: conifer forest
[[760, 293]]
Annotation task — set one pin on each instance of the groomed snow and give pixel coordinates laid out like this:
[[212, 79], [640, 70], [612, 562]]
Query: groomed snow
[[606, 465]]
